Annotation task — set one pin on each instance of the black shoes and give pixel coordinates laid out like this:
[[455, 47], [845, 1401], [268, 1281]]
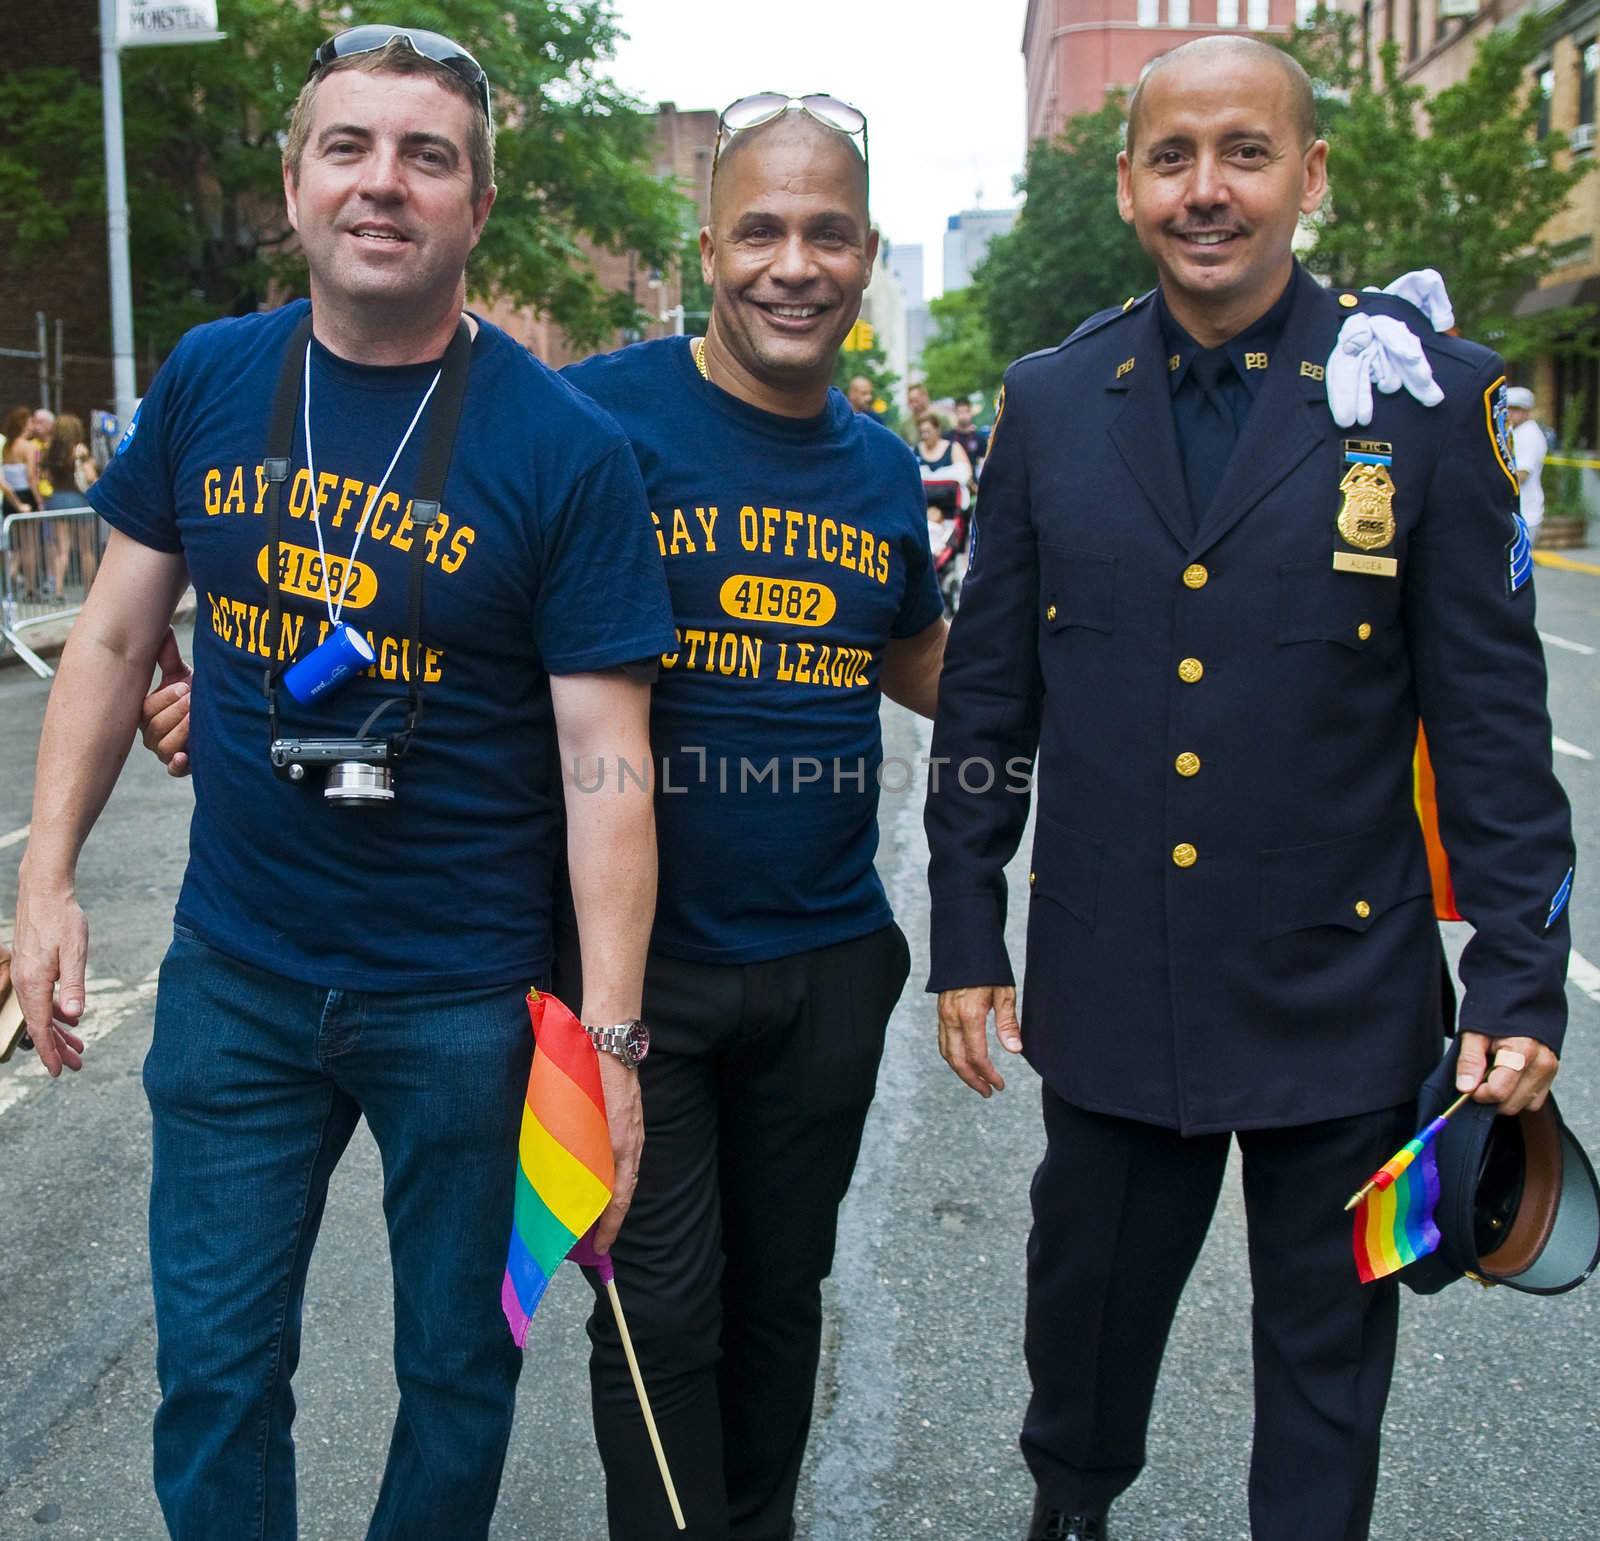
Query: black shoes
[[1049, 1524]]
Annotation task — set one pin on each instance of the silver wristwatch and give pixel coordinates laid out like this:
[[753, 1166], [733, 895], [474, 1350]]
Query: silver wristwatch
[[629, 1041]]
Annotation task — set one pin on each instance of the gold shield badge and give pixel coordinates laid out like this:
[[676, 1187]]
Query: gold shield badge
[[1366, 521]]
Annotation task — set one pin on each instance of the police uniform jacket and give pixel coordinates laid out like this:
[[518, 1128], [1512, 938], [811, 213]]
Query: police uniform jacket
[[1230, 920]]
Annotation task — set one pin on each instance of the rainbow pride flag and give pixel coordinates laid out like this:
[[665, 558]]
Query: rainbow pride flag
[[1426, 797], [1394, 1223], [564, 1168]]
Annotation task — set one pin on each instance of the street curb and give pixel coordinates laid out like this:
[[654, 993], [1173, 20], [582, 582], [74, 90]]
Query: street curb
[[1566, 563], [51, 639]]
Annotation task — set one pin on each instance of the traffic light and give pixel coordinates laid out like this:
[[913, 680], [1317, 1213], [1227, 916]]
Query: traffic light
[[859, 338]]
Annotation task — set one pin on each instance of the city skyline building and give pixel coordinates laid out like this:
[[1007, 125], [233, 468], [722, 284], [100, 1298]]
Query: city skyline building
[[884, 308], [966, 239], [907, 264]]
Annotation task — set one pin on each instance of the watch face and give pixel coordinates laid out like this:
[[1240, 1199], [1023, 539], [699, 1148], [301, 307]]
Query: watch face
[[637, 1041]]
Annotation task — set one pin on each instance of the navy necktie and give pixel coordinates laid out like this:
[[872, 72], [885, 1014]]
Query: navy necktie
[[1208, 431]]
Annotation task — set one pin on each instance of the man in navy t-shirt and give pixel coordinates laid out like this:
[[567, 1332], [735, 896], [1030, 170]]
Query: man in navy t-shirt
[[332, 963], [795, 544]]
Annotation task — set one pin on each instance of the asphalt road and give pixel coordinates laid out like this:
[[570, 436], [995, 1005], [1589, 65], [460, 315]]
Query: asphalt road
[[1492, 1428]]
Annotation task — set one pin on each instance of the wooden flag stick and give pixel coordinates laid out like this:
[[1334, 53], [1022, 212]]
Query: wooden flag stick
[[644, 1404], [1372, 1182]]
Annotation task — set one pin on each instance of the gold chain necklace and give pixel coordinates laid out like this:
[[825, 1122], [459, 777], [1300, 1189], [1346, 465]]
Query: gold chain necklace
[[699, 348]]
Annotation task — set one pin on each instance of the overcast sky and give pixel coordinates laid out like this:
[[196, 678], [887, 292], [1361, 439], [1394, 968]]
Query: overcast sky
[[939, 80]]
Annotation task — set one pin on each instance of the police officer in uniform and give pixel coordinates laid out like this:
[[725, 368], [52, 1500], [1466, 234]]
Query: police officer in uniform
[[1215, 617]]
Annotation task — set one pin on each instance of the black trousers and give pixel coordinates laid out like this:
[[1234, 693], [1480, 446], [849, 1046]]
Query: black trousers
[[755, 1092], [1120, 1210]]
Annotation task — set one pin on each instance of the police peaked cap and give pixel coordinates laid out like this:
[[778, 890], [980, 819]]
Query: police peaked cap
[[1518, 1201]]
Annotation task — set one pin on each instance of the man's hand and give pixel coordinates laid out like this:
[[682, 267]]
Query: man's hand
[[52, 946], [964, 1033], [164, 717], [625, 1120], [1513, 1086]]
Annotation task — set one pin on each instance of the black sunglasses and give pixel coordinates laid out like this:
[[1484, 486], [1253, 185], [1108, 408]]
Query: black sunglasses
[[430, 45]]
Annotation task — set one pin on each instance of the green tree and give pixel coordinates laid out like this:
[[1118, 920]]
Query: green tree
[[1070, 253], [1328, 48], [207, 231], [960, 357], [1457, 182]]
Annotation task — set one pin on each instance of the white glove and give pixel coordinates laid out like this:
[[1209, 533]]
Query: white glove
[[1424, 287], [1376, 350]]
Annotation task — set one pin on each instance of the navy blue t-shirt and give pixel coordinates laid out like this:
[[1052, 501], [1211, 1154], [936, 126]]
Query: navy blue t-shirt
[[795, 549], [542, 562]]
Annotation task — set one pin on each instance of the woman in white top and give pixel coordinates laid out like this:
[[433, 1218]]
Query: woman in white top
[[19, 490]]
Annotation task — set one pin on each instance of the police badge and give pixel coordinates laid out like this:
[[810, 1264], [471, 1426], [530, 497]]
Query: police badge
[[1366, 518], [1366, 521]]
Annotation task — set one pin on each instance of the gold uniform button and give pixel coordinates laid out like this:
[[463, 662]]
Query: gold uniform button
[[1188, 764], [1363, 909], [1184, 855], [1349, 301], [1050, 614], [1195, 576], [1364, 630], [1190, 670], [1031, 877]]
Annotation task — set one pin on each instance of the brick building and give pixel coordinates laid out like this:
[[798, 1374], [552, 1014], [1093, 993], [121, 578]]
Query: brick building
[[684, 145], [1074, 51], [1437, 41]]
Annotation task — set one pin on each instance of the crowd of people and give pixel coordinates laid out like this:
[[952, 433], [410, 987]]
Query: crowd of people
[[46, 467]]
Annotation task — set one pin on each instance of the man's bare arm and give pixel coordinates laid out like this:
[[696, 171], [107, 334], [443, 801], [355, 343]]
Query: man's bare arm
[[88, 726], [603, 727], [911, 665]]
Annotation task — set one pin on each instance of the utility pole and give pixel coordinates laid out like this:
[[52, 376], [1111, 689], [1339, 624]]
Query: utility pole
[[117, 218], [134, 24]]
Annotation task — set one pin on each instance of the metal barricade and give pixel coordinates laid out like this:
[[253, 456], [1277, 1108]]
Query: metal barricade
[[47, 562]]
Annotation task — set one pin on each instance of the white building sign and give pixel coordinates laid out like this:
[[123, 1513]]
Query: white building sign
[[141, 23]]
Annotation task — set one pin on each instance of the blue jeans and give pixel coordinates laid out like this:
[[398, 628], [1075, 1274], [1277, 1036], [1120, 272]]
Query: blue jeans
[[256, 1084]]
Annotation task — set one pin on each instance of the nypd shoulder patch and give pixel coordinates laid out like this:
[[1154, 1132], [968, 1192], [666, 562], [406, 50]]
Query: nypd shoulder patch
[[1497, 418]]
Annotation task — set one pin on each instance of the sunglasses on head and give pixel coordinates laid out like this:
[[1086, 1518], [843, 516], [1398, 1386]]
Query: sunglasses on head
[[764, 106], [430, 45]]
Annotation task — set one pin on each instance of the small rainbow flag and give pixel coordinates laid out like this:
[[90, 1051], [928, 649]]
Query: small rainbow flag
[[564, 1168], [1394, 1221]]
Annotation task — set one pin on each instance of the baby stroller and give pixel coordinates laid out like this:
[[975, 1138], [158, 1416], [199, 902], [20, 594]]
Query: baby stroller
[[948, 520]]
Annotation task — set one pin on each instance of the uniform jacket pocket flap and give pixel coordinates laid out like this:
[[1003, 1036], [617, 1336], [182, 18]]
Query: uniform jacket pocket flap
[[1076, 588], [1066, 869], [1318, 604], [1349, 882]]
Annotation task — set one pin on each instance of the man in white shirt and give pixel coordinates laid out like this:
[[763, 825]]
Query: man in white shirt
[[1528, 440]]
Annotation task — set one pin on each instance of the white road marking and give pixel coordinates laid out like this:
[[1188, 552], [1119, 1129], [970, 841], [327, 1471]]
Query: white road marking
[[16, 837], [1550, 640], [111, 1003], [1582, 973], [1561, 746]]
